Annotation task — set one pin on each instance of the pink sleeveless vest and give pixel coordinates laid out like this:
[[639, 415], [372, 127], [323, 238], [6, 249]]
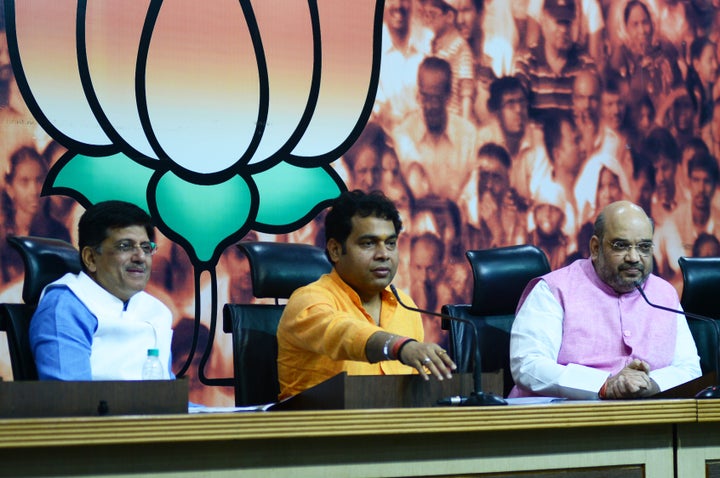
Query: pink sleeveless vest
[[606, 330]]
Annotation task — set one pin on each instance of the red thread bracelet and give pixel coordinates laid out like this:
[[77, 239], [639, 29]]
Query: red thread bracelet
[[399, 347], [396, 347], [602, 391]]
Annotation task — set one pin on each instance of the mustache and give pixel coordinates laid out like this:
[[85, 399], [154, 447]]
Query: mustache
[[639, 266]]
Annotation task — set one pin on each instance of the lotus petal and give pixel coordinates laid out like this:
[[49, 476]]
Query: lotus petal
[[286, 31], [289, 194], [202, 90], [185, 208], [52, 89], [112, 40], [345, 96], [101, 178]]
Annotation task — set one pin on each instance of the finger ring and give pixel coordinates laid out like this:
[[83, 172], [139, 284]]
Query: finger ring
[[426, 360], [442, 352]]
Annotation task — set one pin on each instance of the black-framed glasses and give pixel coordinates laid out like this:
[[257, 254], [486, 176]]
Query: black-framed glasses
[[644, 248], [128, 247]]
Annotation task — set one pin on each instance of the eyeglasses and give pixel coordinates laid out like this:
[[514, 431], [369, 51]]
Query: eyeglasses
[[644, 248], [128, 247]]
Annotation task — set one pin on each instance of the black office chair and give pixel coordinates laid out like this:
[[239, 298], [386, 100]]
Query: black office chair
[[499, 278], [276, 269], [45, 260], [701, 295]]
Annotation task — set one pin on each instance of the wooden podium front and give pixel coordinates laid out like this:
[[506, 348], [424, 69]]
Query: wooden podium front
[[344, 392], [96, 398]]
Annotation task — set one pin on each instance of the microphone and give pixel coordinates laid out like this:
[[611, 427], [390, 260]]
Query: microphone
[[477, 397], [712, 391]]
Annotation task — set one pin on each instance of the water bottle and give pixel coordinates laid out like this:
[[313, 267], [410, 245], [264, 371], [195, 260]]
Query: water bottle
[[152, 368]]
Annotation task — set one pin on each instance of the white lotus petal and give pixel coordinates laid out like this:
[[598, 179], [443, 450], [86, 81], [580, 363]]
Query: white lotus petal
[[287, 40], [202, 84], [113, 36], [46, 36], [347, 48]]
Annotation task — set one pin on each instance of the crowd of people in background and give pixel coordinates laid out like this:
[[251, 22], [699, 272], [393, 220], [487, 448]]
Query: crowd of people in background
[[495, 123]]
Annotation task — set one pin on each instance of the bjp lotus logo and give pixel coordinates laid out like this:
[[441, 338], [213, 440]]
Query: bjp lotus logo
[[217, 117]]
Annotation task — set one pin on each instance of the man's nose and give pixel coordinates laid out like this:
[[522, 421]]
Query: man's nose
[[632, 254], [382, 250]]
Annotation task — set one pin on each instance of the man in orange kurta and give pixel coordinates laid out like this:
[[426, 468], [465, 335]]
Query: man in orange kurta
[[348, 320]]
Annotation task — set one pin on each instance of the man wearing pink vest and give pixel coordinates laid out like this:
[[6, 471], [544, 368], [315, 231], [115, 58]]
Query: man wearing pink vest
[[584, 331]]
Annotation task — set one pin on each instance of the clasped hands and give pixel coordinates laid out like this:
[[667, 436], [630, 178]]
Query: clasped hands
[[632, 381]]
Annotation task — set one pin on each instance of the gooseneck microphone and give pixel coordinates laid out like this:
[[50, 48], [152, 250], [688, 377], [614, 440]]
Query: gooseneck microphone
[[712, 391], [477, 397]]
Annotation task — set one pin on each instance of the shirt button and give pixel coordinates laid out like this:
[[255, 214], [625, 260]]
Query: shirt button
[[627, 333]]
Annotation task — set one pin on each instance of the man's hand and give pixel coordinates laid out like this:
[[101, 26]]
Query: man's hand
[[632, 381], [427, 357]]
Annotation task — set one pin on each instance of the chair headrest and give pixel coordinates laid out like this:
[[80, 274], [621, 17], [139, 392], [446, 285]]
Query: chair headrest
[[278, 268], [500, 276], [45, 260], [701, 282]]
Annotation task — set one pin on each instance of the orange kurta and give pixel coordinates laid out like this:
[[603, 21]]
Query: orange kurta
[[324, 329]]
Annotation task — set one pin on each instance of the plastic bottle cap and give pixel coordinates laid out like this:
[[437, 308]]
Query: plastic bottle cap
[[153, 353]]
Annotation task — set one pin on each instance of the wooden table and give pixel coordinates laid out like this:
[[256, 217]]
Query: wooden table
[[609, 439], [698, 444]]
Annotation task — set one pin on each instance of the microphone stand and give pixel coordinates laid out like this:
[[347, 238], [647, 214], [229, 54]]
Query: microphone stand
[[712, 391], [477, 397]]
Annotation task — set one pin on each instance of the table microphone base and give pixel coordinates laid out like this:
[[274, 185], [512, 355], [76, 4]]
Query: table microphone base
[[481, 399], [709, 392]]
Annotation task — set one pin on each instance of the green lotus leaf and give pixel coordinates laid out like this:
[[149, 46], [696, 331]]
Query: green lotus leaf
[[104, 178], [288, 193], [203, 214]]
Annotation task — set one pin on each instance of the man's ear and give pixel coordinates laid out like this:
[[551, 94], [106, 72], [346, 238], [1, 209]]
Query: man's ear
[[594, 247], [334, 249], [88, 257]]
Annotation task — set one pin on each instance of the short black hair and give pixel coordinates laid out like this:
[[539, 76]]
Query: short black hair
[[98, 219], [660, 142], [502, 86], [702, 239], [372, 136], [338, 221], [642, 165], [551, 120], [494, 150], [432, 238], [705, 162], [441, 4], [612, 83], [440, 65]]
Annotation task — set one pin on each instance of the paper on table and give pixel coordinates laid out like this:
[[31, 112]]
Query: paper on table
[[196, 408], [533, 400]]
